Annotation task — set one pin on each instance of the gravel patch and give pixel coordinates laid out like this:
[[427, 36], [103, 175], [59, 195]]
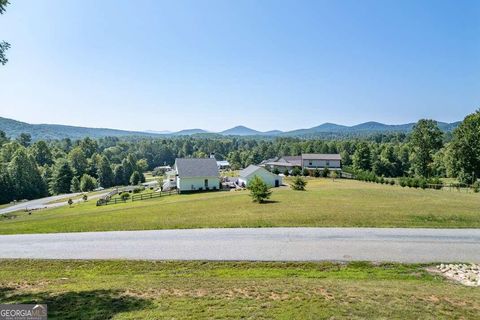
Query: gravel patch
[[466, 274]]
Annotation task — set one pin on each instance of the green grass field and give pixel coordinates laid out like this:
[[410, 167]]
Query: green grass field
[[343, 203], [234, 290]]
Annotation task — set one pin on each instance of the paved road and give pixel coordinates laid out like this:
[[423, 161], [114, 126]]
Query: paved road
[[44, 203], [279, 244]]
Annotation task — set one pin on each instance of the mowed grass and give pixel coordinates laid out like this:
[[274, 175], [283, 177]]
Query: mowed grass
[[234, 290], [326, 203]]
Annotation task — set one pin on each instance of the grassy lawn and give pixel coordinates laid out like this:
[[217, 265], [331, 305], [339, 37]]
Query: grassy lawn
[[342, 203], [234, 290]]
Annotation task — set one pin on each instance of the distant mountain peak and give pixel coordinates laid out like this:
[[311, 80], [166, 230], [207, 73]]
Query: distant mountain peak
[[240, 131]]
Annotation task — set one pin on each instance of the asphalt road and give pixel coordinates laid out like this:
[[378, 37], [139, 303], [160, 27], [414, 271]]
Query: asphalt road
[[266, 244], [44, 203]]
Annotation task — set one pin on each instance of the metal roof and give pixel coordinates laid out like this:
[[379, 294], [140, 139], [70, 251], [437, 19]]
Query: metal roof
[[252, 169], [321, 156], [196, 167]]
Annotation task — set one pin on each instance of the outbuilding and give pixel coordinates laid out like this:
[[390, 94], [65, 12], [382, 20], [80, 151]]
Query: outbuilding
[[247, 174]]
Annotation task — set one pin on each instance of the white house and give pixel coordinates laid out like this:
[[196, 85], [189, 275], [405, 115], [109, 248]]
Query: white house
[[196, 174], [247, 174], [320, 161]]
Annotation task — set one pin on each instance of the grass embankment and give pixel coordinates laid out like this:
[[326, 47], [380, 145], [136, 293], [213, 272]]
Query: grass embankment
[[234, 290], [342, 203]]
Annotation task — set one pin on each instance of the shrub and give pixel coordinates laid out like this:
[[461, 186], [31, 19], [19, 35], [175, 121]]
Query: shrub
[[276, 171], [85, 197], [403, 182], [325, 172], [296, 171], [298, 183], [305, 172], [125, 196], [392, 182], [476, 187], [316, 173], [138, 190], [286, 173]]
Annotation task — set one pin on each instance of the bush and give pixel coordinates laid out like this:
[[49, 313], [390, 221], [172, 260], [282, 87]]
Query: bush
[[325, 172], [392, 182], [298, 184], [403, 182], [125, 196], [296, 171], [85, 197], [316, 173], [138, 190], [305, 172], [286, 173], [476, 187], [276, 171]]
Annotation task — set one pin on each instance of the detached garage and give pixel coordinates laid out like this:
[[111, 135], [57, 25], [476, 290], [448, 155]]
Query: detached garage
[[247, 174]]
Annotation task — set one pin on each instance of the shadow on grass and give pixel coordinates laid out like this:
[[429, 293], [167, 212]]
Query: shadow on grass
[[91, 305], [269, 201]]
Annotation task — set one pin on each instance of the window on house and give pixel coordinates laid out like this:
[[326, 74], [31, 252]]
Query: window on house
[[206, 183]]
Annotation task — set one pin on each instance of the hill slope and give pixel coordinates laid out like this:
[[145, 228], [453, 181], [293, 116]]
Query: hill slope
[[14, 128]]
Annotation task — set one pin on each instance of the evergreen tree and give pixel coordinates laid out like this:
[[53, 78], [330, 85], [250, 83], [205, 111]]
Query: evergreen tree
[[259, 190], [75, 185], [26, 179], [298, 184], [105, 173], [42, 154], [61, 178], [135, 178]]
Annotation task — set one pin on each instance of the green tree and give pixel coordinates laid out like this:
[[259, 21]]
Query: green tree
[[306, 172], [465, 149], [87, 183], [78, 161], [118, 175], [259, 190], [362, 158], [4, 46], [426, 140], [26, 179], [316, 173], [75, 185], [61, 178], [296, 171], [6, 186], [135, 178], [298, 184], [24, 139], [105, 173], [42, 154]]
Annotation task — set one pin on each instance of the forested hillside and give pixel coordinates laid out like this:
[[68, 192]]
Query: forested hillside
[[31, 169]]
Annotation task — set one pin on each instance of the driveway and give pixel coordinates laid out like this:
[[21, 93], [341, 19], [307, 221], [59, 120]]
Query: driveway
[[44, 202], [265, 244]]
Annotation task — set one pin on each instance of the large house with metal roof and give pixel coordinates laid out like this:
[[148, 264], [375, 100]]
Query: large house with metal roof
[[309, 161], [312, 161], [247, 174], [196, 174]]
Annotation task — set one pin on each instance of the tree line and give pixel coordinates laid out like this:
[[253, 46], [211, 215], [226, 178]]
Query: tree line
[[30, 170]]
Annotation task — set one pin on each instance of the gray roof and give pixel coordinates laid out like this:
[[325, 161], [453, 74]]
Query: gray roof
[[196, 167], [294, 160], [320, 156], [252, 169]]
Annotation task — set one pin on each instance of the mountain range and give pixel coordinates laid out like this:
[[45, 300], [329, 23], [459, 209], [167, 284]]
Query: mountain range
[[14, 128]]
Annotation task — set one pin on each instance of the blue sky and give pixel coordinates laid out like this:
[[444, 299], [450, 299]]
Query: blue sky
[[170, 65]]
